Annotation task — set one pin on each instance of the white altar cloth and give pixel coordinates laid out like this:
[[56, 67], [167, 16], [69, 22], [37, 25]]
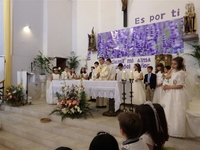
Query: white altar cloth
[[106, 89]]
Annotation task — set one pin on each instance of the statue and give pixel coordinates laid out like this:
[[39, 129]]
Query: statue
[[190, 24], [190, 19], [124, 4], [92, 41]]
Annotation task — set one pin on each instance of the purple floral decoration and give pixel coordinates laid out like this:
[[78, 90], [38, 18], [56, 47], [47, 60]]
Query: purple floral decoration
[[158, 38]]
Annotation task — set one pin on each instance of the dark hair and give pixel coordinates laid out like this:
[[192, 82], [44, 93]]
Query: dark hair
[[104, 141], [96, 63], [109, 60], [139, 67], [54, 68], [131, 124], [149, 124], [63, 148], [179, 60], [161, 66], [71, 71], [82, 71], [150, 67], [168, 67], [102, 58], [93, 67], [120, 65], [66, 67]]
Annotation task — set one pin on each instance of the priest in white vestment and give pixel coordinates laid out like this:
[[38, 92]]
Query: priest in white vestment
[[102, 73], [112, 69], [119, 72]]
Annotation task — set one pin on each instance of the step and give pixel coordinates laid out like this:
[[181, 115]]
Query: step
[[41, 137], [51, 127], [109, 124], [4, 148], [14, 142]]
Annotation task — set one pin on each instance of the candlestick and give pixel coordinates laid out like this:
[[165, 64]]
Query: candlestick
[[124, 75], [131, 75]]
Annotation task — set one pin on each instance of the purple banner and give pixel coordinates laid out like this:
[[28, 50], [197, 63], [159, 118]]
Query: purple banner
[[152, 39]]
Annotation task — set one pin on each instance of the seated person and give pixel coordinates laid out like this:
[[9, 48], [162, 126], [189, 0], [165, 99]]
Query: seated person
[[130, 127], [83, 74], [55, 75], [104, 141], [72, 74], [154, 129], [65, 73]]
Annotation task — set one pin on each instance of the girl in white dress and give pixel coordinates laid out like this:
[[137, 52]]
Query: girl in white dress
[[154, 128], [138, 86], [158, 94], [83, 74], [166, 70], [55, 75], [72, 74], [175, 99]]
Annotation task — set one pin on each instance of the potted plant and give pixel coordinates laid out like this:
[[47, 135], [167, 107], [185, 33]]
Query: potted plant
[[196, 54], [44, 64], [14, 95], [73, 61]]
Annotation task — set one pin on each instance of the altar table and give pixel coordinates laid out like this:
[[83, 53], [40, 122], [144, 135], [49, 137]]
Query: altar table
[[106, 89]]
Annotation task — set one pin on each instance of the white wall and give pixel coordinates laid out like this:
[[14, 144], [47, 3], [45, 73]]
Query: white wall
[[59, 27], [106, 15]]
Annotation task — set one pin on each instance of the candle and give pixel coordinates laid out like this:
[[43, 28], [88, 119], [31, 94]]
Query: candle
[[131, 75], [124, 75]]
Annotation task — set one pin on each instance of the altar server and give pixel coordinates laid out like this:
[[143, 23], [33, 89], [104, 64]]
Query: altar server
[[112, 69], [119, 72], [158, 94], [95, 71], [175, 99]]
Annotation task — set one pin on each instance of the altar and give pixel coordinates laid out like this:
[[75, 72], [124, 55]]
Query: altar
[[106, 89]]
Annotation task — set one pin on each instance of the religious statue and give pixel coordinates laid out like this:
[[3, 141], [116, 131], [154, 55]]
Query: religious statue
[[190, 24], [91, 41], [190, 19], [124, 4]]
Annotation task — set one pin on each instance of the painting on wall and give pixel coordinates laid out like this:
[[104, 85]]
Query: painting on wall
[[147, 40]]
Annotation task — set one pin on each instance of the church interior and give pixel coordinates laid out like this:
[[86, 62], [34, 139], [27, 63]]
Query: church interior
[[41, 39]]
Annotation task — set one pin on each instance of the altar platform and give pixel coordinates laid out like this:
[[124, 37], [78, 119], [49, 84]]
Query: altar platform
[[21, 129]]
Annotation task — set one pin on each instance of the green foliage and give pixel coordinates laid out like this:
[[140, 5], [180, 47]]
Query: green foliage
[[73, 61], [195, 53], [43, 63], [72, 103], [14, 95]]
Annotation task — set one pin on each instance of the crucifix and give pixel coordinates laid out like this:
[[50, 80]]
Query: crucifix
[[124, 9]]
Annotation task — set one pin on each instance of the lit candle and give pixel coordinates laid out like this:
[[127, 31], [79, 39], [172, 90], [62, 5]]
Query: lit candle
[[124, 75], [131, 75]]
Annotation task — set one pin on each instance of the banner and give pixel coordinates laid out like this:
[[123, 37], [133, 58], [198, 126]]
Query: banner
[[130, 61], [147, 40]]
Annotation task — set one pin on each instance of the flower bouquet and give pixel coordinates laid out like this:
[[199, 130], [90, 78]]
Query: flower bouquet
[[14, 95], [72, 103]]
